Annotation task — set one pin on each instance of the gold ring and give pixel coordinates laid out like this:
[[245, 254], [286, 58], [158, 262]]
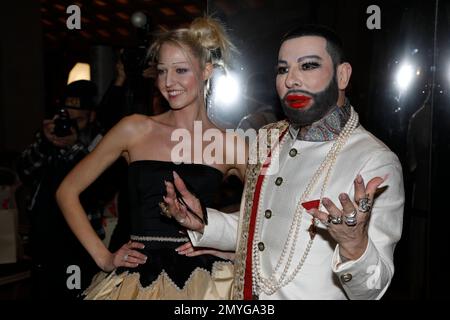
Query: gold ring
[[165, 210]]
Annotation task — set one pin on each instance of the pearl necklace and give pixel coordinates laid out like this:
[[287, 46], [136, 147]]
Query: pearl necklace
[[271, 284]]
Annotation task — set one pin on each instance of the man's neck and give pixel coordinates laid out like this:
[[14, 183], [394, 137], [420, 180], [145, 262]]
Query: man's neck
[[329, 127]]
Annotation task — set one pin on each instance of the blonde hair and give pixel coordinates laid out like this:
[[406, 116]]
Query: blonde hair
[[205, 38]]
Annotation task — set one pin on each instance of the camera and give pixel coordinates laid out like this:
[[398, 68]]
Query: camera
[[63, 124]]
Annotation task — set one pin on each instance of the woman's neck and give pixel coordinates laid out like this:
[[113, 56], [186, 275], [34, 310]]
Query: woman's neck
[[185, 118]]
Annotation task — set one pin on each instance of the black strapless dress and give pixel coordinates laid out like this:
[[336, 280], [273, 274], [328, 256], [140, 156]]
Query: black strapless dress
[[166, 274]]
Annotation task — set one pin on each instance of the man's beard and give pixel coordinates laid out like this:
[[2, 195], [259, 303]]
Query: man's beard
[[324, 101]]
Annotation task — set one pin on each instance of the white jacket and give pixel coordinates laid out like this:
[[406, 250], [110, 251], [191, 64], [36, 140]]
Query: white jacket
[[323, 276]]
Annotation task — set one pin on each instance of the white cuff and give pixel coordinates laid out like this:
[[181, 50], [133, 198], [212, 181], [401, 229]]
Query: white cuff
[[220, 233], [363, 278]]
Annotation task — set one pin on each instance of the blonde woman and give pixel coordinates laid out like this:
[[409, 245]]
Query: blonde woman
[[148, 266]]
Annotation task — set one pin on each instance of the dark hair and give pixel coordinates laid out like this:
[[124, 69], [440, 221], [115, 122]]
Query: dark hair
[[334, 44]]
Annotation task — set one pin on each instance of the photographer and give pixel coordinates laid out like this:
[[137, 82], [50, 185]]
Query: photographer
[[61, 143]]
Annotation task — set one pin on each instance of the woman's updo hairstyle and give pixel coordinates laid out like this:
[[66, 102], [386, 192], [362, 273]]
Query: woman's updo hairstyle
[[205, 38]]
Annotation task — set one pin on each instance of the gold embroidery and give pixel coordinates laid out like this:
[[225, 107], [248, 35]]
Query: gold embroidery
[[251, 176]]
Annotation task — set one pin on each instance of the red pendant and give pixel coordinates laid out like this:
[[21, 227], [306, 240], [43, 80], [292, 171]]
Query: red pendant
[[314, 204]]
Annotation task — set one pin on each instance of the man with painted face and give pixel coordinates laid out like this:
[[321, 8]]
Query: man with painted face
[[325, 224]]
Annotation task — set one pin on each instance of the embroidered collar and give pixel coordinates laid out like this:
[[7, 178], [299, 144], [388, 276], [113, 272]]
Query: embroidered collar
[[327, 128]]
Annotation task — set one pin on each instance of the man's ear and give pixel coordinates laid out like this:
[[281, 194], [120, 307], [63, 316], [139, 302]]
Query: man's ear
[[207, 72], [344, 72]]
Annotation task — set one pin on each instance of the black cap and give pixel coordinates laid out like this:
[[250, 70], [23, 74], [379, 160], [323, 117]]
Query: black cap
[[80, 95]]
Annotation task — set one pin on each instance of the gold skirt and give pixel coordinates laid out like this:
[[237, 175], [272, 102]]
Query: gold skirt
[[201, 285]]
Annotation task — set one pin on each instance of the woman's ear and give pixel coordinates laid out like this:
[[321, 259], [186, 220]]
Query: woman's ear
[[207, 71], [344, 72]]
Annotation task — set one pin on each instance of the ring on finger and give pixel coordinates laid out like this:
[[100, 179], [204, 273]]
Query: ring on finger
[[365, 204], [351, 222], [165, 210], [334, 220], [351, 214], [125, 257]]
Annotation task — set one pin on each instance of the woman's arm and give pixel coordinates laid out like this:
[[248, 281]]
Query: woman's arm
[[115, 143]]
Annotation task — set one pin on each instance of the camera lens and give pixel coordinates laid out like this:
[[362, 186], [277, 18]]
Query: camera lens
[[63, 124]]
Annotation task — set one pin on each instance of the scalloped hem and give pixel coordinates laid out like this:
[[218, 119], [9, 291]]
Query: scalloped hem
[[201, 285]]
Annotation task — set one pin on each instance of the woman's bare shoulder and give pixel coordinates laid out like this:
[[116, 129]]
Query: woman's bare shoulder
[[134, 124]]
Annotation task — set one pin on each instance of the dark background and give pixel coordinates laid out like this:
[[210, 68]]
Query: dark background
[[37, 51]]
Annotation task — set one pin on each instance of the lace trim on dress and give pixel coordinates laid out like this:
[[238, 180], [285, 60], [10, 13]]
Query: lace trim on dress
[[160, 239], [163, 274]]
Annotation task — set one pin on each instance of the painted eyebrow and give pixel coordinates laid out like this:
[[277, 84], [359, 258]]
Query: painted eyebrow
[[160, 63], [302, 58], [309, 57]]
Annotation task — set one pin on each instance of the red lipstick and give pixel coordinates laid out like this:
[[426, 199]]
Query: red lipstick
[[297, 101]]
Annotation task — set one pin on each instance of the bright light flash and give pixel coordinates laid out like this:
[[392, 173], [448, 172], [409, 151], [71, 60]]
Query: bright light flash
[[404, 76], [81, 71], [227, 89]]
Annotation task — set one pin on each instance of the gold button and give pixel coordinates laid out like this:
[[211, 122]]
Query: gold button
[[261, 246], [268, 214], [279, 181], [293, 152], [346, 277]]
